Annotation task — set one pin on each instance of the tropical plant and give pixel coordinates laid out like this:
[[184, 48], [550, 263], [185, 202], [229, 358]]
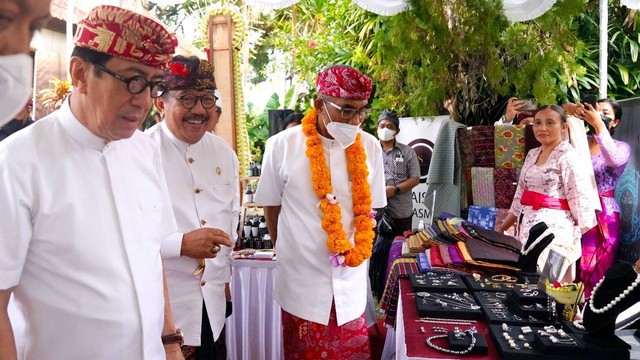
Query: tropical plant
[[623, 50]]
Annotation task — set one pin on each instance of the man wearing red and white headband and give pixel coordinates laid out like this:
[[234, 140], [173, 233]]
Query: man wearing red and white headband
[[88, 207], [318, 185]]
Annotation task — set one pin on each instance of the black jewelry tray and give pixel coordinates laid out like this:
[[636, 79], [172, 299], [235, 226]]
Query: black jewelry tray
[[534, 312], [529, 296], [533, 353], [428, 307], [484, 283], [441, 284], [502, 313], [461, 344]]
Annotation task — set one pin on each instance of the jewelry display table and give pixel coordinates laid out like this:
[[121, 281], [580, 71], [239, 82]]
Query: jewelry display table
[[410, 341], [254, 330]]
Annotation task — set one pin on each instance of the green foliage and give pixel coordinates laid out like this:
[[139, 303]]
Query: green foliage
[[623, 49], [258, 125], [461, 57]]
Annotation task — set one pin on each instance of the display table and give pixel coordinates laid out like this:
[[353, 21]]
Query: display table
[[410, 342], [254, 330]]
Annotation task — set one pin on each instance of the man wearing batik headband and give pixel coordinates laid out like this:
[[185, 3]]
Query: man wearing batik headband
[[202, 172], [319, 182], [88, 205]]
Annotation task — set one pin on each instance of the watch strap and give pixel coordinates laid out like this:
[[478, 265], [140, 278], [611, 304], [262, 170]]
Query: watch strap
[[177, 337], [397, 189]]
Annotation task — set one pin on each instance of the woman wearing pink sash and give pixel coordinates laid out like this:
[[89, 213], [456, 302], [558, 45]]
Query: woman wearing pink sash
[[552, 189], [609, 158]]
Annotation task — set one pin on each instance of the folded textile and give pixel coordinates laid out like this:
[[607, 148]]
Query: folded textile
[[509, 145], [423, 263], [434, 257], [494, 238], [483, 146], [483, 251], [454, 255], [484, 216], [482, 186], [505, 183], [444, 254], [469, 260]]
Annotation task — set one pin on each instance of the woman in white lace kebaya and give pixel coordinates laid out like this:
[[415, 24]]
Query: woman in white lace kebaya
[[552, 189]]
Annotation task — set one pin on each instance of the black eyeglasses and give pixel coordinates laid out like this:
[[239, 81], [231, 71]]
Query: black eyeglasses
[[137, 84], [350, 113], [190, 100]]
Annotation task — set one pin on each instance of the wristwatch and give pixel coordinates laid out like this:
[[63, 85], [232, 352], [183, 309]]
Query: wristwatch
[[177, 337], [397, 189]]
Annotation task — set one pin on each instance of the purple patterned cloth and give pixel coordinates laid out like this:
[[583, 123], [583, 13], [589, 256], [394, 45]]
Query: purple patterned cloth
[[483, 150], [600, 244], [505, 182]]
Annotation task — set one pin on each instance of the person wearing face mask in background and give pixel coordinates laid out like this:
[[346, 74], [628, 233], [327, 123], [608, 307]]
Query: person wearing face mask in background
[[318, 186], [609, 158], [19, 122], [16, 64], [401, 172]]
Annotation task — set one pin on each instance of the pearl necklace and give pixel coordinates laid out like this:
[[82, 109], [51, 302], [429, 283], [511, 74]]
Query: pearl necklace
[[471, 332], [616, 300], [536, 242]]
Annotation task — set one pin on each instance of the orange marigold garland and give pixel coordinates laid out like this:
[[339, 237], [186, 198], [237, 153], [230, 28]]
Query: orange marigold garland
[[339, 246]]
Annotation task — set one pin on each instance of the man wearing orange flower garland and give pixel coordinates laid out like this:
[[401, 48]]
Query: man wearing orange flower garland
[[88, 205], [318, 210]]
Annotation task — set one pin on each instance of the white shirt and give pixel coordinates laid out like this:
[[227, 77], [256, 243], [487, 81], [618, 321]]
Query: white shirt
[[81, 240], [306, 282], [204, 188]]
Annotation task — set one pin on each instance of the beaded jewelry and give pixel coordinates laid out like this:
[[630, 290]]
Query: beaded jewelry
[[471, 332], [616, 300]]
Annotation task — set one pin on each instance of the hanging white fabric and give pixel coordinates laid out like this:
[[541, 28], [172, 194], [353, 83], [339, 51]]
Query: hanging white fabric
[[514, 10], [270, 4], [524, 10], [383, 7], [631, 4]]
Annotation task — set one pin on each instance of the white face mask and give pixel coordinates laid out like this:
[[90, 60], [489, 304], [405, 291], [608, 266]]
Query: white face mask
[[344, 134], [16, 78], [385, 134]]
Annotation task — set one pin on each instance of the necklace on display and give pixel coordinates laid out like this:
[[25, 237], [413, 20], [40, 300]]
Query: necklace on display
[[471, 333], [456, 301], [616, 300]]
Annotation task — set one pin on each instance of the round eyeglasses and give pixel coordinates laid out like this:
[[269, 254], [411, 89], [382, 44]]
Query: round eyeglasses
[[138, 83], [349, 113], [189, 101]]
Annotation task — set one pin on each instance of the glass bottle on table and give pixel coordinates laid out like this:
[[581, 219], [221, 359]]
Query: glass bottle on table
[[247, 233], [255, 225], [266, 241], [262, 227], [248, 194]]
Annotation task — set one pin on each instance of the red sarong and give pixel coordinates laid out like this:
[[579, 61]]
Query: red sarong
[[303, 339]]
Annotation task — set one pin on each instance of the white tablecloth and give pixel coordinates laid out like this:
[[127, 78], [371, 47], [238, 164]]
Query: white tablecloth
[[254, 330]]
